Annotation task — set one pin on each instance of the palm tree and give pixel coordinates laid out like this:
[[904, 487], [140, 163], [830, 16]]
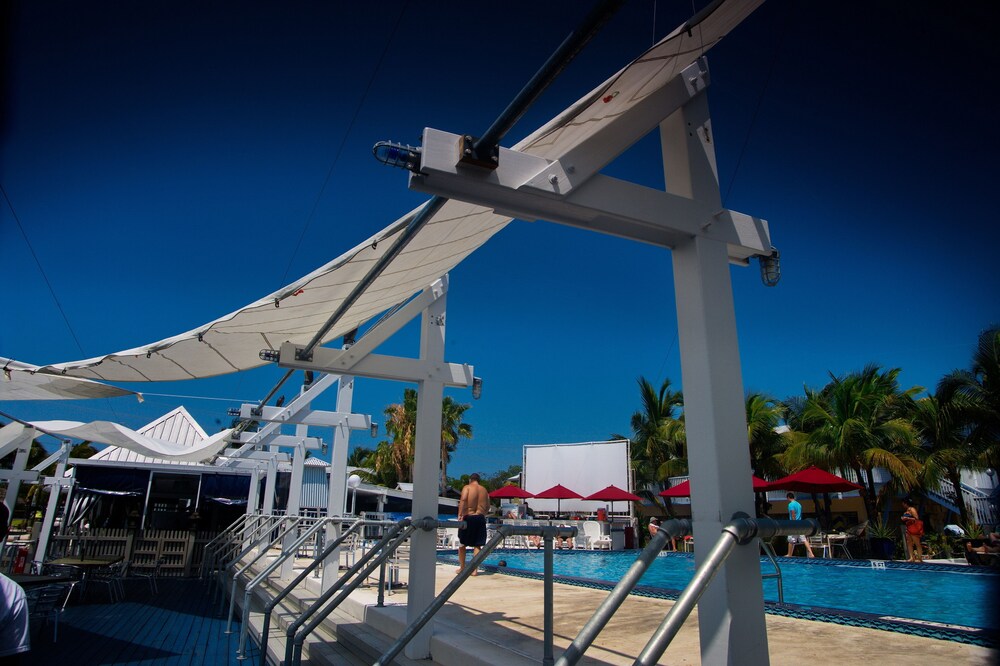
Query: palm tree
[[860, 422], [452, 430], [980, 389], [401, 424], [946, 436], [658, 448], [764, 415]]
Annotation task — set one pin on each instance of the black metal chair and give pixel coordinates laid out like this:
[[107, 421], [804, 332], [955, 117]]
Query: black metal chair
[[111, 576], [46, 603], [150, 574]]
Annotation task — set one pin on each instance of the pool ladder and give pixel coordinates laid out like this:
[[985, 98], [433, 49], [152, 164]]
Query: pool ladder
[[769, 552]]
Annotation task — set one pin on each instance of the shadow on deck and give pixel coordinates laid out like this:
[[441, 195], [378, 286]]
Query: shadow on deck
[[180, 625]]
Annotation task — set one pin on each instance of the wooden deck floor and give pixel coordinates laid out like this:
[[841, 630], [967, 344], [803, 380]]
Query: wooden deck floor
[[180, 625]]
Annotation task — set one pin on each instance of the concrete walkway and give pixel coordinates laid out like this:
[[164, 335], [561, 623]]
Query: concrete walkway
[[499, 619]]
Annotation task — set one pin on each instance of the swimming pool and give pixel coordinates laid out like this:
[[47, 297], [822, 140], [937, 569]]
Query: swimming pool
[[919, 595]]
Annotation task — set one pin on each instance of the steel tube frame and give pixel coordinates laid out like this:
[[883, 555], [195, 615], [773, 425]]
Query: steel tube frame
[[273, 603], [595, 625], [268, 570], [739, 531], [295, 520], [294, 639], [563, 55], [503, 532]]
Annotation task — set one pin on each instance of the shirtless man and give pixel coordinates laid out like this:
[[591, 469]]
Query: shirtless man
[[472, 508]]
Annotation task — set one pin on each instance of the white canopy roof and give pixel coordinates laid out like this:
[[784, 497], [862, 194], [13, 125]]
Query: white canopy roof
[[22, 381], [295, 313], [105, 432]]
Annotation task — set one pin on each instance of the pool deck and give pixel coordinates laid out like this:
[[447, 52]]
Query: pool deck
[[507, 611]]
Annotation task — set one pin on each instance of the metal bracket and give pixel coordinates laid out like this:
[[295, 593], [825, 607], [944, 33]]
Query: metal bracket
[[487, 157]]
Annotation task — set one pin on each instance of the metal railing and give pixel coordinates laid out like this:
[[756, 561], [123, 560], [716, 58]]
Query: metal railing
[[352, 578], [273, 603], [290, 551], [290, 523], [765, 545], [503, 532], [741, 531]]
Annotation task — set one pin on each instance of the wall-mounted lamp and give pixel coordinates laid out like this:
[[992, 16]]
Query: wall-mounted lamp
[[374, 430], [770, 268], [270, 355], [397, 155], [477, 387]]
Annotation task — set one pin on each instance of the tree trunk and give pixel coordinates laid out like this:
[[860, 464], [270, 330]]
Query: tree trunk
[[866, 495], [955, 476]]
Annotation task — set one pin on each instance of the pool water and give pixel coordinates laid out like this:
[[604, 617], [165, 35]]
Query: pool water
[[959, 597]]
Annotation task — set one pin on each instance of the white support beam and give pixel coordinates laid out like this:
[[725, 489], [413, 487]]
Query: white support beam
[[375, 366], [337, 496], [310, 443], [302, 401], [426, 472], [55, 484], [307, 418], [731, 612]]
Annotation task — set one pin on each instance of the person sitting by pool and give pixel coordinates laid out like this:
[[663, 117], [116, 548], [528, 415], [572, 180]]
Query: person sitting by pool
[[559, 541], [981, 554], [654, 527]]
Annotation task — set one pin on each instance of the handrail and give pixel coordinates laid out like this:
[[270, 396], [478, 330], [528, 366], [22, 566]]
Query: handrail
[[264, 523], [502, 532], [295, 520], [226, 540], [273, 603], [223, 535], [294, 638], [740, 530], [769, 551], [620, 592], [268, 570]]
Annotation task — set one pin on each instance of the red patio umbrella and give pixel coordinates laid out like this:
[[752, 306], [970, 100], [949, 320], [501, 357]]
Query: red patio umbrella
[[684, 489], [509, 492], [613, 494], [558, 492], [813, 480]]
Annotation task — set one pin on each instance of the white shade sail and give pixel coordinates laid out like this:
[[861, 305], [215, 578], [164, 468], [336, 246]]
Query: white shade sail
[[105, 432], [295, 313], [22, 381]]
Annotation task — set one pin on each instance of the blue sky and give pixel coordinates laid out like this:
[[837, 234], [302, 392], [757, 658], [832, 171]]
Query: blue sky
[[168, 163]]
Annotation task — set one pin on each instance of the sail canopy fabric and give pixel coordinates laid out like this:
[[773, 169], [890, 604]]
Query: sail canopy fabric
[[105, 432], [295, 313], [22, 381]]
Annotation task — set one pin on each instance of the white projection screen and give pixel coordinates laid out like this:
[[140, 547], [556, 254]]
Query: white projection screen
[[585, 467]]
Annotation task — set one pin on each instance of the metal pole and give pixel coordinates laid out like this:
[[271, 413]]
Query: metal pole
[[686, 602], [549, 598], [604, 612], [541, 80]]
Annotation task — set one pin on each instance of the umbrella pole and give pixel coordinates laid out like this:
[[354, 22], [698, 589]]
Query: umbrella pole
[[548, 596]]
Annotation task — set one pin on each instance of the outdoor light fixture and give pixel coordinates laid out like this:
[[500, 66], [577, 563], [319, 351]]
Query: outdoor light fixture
[[269, 355], [397, 155], [233, 411], [353, 481], [770, 268], [477, 387], [374, 430]]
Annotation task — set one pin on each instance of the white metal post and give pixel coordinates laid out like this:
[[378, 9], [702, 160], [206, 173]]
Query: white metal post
[[731, 612], [426, 472], [253, 496], [294, 495], [50, 511], [337, 498], [270, 481]]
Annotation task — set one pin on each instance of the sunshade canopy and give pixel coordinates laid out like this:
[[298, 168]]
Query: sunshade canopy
[[814, 480], [613, 494], [558, 491], [509, 492], [684, 489], [297, 312]]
